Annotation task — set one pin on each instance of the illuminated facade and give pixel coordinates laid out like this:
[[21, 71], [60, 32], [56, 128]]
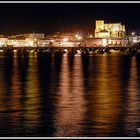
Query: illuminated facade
[[94, 42], [110, 30], [3, 41], [133, 39]]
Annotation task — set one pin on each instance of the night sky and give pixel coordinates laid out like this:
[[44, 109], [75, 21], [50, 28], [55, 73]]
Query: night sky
[[50, 18]]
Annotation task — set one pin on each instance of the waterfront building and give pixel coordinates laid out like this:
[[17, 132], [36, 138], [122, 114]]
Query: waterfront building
[[94, 42], [120, 42], [22, 40], [109, 30], [19, 43], [59, 35], [108, 34], [29, 42], [44, 42], [133, 39], [65, 39], [64, 43], [3, 41], [34, 39], [15, 42]]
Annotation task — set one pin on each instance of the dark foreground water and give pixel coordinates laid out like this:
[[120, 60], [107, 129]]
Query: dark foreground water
[[70, 96]]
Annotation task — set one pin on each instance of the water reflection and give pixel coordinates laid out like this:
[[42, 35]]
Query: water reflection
[[2, 89], [14, 103], [131, 119], [48, 72], [71, 103], [103, 95], [19, 97], [32, 97], [69, 96]]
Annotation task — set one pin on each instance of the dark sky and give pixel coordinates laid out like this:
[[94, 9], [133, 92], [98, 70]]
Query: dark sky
[[49, 18]]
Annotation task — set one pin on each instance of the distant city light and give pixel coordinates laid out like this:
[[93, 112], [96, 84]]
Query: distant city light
[[91, 36], [104, 42], [1, 43], [31, 43], [78, 51], [135, 40], [79, 37], [65, 39], [133, 33], [65, 50], [15, 51], [66, 44]]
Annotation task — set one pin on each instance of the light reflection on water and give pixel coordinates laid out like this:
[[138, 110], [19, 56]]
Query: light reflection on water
[[69, 96], [132, 117], [32, 96], [70, 108], [105, 99]]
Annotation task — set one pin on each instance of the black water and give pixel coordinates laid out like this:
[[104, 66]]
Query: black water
[[74, 96]]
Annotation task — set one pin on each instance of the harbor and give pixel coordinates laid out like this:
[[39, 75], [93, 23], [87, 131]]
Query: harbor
[[107, 38]]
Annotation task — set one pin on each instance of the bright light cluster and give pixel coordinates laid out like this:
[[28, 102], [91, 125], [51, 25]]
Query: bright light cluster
[[78, 37]]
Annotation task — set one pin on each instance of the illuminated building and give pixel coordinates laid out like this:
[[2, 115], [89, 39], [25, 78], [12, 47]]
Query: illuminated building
[[34, 39], [133, 39], [94, 42], [3, 41], [65, 39], [109, 30], [44, 42], [108, 34], [118, 42]]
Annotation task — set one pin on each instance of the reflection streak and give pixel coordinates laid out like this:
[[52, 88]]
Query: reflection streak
[[70, 107]]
